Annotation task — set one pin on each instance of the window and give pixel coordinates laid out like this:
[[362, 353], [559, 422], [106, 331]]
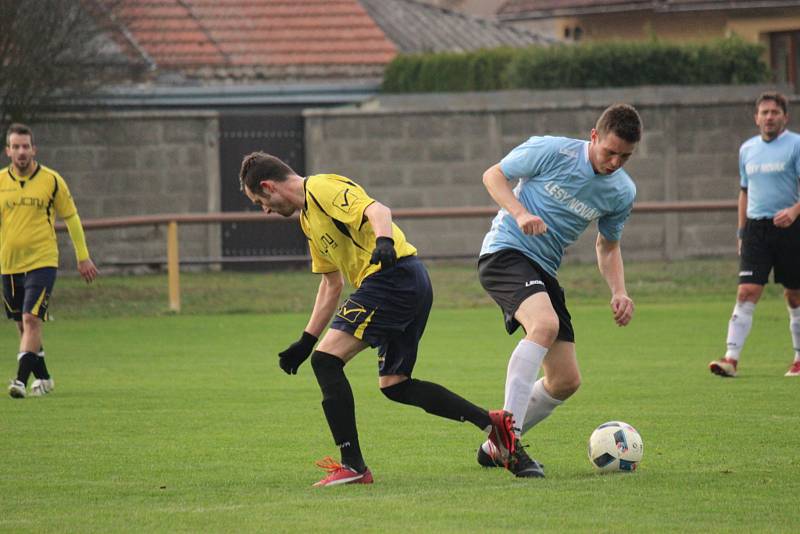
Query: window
[[785, 57]]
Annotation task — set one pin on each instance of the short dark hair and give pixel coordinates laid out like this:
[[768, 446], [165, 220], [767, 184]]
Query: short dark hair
[[258, 166], [19, 129], [621, 119], [775, 97]]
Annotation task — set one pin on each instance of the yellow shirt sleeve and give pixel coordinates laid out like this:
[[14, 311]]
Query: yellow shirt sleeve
[[65, 206], [75, 229], [340, 198]]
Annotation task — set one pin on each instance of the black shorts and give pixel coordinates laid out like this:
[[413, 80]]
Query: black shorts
[[390, 311], [28, 292], [764, 247], [510, 277]]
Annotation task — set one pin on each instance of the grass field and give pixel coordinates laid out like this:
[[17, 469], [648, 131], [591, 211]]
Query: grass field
[[185, 423]]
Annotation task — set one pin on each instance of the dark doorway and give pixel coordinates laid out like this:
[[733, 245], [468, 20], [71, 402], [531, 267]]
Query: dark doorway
[[281, 135]]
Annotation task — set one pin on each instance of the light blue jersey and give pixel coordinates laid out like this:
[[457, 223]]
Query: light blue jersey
[[558, 184], [770, 172]]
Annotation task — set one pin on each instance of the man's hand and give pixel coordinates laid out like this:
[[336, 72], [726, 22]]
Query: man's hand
[[298, 352], [531, 224], [88, 270], [622, 308], [384, 253], [784, 218]]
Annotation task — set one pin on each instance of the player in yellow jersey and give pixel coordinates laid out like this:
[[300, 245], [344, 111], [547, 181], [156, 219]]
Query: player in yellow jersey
[[31, 195], [351, 235]]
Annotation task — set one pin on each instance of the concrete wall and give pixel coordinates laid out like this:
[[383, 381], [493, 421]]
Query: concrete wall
[[431, 150], [122, 164], [409, 151]]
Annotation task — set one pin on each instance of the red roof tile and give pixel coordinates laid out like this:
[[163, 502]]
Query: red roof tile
[[191, 34]]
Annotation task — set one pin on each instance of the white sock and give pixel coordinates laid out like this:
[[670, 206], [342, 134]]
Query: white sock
[[794, 326], [540, 406], [21, 354], [523, 368], [739, 328]]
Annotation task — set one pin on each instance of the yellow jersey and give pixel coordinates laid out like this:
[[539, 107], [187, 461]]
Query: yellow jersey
[[340, 237], [28, 206]]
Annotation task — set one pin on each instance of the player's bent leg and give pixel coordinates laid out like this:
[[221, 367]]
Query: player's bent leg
[[561, 380], [539, 319], [434, 399], [341, 344]]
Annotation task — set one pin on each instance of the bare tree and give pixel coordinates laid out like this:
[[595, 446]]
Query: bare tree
[[58, 50]]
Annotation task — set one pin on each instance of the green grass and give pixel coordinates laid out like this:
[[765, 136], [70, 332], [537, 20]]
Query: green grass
[[184, 423], [455, 286]]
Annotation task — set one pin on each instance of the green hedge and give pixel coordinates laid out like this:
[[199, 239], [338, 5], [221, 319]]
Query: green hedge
[[609, 64]]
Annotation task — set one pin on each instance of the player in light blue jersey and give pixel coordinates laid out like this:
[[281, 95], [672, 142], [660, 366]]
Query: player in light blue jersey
[[769, 227], [562, 185]]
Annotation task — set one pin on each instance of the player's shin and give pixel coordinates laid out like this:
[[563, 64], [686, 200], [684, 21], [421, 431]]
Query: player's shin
[[437, 400], [540, 406], [794, 326], [739, 328], [523, 368], [26, 364], [40, 370], [339, 407]]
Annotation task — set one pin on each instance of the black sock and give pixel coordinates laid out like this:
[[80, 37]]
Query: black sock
[[437, 400], [40, 370], [25, 366], [339, 407]]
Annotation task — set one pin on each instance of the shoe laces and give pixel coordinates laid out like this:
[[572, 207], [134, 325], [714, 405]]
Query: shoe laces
[[329, 464], [520, 458]]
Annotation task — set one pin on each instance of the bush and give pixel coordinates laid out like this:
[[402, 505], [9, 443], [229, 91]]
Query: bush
[[590, 65]]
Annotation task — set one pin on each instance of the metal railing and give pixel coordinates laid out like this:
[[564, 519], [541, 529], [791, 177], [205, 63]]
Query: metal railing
[[172, 220]]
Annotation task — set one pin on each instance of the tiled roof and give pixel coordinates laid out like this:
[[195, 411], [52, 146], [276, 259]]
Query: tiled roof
[[416, 26], [513, 9], [255, 39], [297, 40]]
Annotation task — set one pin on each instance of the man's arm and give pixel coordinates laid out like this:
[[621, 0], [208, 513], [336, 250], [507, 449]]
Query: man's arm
[[741, 217], [330, 289], [500, 190], [380, 218], [609, 261], [86, 266]]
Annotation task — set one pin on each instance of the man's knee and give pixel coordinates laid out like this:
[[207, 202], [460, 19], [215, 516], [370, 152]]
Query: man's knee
[[30, 323], [542, 330], [792, 297], [327, 368], [749, 293], [397, 392]]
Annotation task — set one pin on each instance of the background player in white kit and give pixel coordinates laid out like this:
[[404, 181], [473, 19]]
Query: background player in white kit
[[769, 229], [564, 184]]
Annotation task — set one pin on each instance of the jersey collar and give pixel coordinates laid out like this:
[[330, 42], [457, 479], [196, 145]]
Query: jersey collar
[[22, 179]]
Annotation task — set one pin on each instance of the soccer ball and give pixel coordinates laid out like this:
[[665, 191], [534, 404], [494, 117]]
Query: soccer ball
[[615, 446]]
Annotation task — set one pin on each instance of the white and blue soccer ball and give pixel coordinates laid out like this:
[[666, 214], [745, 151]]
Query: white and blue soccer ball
[[615, 446]]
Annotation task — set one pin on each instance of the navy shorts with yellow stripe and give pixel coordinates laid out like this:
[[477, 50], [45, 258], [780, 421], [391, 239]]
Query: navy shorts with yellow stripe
[[390, 311], [28, 292]]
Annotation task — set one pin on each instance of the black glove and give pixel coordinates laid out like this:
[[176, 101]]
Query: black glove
[[297, 353], [384, 253]]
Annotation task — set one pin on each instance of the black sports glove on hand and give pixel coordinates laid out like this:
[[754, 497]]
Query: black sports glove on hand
[[384, 253], [298, 352]]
